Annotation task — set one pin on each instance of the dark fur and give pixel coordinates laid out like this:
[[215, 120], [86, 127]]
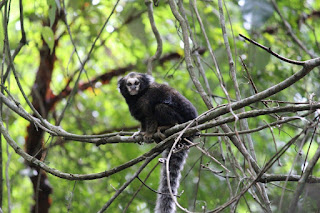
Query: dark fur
[[157, 105]]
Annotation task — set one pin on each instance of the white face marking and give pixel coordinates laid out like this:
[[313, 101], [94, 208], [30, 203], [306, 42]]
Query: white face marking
[[133, 85]]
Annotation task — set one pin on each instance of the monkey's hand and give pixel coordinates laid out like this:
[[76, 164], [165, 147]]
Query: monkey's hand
[[147, 137], [136, 134]]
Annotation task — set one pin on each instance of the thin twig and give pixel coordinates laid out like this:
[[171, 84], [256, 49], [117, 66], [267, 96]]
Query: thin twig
[[284, 120], [273, 159], [156, 33], [157, 149], [293, 164], [187, 52], [142, 184], [268, 49], [16, 75], [219, 75], [308, 150], [208, 155], [124, 186], [291, 33], [86, 59], [273, 139], [301, 183], [71, 197]]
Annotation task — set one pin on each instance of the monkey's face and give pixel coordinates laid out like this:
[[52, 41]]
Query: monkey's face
[[133, 85]]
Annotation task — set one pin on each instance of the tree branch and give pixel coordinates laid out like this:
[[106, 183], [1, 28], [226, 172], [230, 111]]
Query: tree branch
[[268, 49], [156, 34]]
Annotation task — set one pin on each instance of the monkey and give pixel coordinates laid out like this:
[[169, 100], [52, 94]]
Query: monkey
[[156, 106]]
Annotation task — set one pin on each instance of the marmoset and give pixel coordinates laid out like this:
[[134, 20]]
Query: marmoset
[[155, 106]]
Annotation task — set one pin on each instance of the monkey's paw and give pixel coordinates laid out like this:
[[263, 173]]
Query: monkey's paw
[[147, 137], [138, 135]]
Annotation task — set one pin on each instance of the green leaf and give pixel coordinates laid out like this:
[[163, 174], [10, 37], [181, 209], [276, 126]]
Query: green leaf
[[48, 37], [137, 26], [52, 11], [256, 12]]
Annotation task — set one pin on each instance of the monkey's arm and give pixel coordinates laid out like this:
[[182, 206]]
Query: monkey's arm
[[141, 130], [151, 125]]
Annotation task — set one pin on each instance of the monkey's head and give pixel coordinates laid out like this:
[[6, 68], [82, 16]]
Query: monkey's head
[[134, 83]]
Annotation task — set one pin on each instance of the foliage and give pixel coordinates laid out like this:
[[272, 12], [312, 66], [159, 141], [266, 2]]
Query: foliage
[[128, 40]]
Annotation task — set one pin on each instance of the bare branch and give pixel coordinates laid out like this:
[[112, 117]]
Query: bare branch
[[268, 49], [187, 53], [290, 32], [303, 180], [86, 59], [267, 178], [156, 34], [155, 151], [308, 66], [260, 174], [124, 186]]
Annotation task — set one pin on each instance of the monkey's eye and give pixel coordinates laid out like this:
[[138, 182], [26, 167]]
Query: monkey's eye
[[129, 84], [136, 83]]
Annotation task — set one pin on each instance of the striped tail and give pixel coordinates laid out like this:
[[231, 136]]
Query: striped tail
[[165, 203]]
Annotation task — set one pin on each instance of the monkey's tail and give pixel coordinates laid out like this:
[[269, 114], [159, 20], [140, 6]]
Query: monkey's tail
[[165, 203]]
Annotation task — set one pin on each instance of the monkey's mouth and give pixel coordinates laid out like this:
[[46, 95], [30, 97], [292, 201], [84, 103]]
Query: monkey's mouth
[[133, 91]]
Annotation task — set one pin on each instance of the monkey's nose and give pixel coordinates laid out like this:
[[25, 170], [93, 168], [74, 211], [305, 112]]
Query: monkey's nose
[[133, 87]]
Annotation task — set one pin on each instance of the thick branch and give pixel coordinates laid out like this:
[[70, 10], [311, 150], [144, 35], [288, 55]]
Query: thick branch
[[116, 137]]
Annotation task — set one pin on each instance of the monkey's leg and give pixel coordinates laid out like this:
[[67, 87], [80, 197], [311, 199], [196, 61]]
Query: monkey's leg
[[151, 128], [160, 129]]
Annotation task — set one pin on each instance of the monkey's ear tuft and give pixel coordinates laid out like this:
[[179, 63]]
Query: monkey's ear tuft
[[120, 81], [150, 79]]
